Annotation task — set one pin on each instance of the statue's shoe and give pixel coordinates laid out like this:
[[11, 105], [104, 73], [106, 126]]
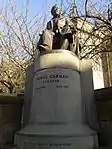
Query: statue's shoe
[[44, 48]]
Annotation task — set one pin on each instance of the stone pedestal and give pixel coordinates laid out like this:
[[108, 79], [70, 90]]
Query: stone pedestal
[[28, 94], [62, 96]]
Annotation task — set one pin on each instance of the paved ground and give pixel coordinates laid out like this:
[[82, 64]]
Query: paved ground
[[106, 147], [11, 147], [7, 147]]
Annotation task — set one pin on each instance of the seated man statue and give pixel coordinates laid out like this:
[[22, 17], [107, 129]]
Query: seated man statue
[[59, 33]]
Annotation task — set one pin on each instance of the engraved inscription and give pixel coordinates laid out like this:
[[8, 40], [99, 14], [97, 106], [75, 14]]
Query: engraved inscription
[[46, 145], [57, 80]]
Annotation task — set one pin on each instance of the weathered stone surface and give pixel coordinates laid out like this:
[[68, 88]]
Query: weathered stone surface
[[87, 91], [58, 118], [10, 117], [104, 110], [28, 94]]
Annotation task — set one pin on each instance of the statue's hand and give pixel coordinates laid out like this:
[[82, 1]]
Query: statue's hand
[[66, 30]]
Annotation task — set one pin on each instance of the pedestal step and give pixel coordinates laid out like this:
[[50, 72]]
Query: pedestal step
[[53, 137]]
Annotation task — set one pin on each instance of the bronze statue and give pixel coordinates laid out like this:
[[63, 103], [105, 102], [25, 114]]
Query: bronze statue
[[60, 33]]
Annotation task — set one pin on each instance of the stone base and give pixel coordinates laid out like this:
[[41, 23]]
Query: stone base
[[61, 107], [56, 137]]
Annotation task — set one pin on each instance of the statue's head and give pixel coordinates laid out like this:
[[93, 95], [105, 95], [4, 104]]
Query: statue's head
[[55, 11]]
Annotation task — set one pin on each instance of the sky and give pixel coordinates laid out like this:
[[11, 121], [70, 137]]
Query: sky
[[38, 6], [34, 6]]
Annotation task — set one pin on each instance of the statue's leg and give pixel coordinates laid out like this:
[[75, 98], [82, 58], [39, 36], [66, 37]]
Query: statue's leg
[[75, 45], [65, 44], [47, 39], [71, 46]]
